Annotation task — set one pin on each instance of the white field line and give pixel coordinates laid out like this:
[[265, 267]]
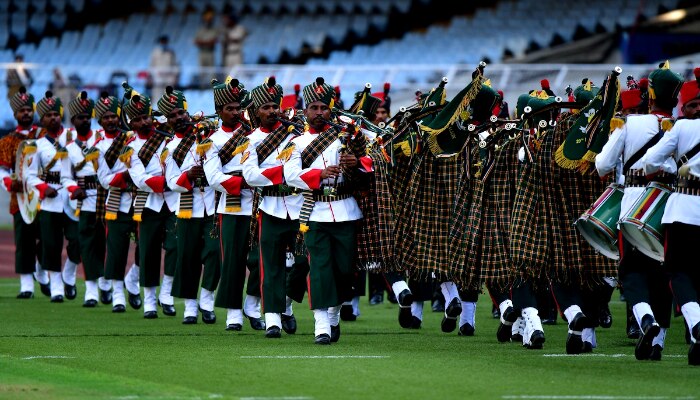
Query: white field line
[[37, 357], [311, 357], [147, 397], [278, 398], [596, 397], [618, 355]]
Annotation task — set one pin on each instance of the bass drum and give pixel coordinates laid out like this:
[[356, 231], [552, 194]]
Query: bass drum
[[642, 224], [598, 225], [28, 199]]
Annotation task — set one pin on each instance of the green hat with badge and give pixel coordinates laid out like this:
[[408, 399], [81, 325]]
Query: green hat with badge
[[268, 92]]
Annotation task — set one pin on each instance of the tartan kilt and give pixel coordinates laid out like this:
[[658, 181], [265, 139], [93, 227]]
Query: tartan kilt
[[496, 265], [375, 240], [569, 194], [424, 215], [528, 236]]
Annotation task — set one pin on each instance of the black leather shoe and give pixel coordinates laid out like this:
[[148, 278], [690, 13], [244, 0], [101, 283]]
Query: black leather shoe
[[574, 342], [536, 340], [405, 300], [189, 320], [168, 309], [289, 324], [274, 332], [449, 320], [135, 300], [118, 308], [438, 306], [650, 328], [391, 297], [25, 295], [376, 300], [106, 296], [335, 333], [587, 347], [91, 303], [71, 291], [505, 328], [208, 317], [234, 327], [57, 299], [45, 289], [633, 331], [256, 324], [322, 339], [346, 313], [150, 314], [415, 322], [655, 354], [466, 330], [605, 319]]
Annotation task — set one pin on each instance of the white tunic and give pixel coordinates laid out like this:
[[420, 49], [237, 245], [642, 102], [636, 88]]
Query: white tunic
[[308, 178], [255, 175], [684, 136], [45, 152], [140, 174], [106, 175], [217, 173], [75, 157], [203, 198], [622, 145]]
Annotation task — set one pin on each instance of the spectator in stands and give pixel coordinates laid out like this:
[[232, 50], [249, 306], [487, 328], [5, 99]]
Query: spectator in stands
[[17, 76], [61, 87], [206, 39], [165, 67], [232, 41]]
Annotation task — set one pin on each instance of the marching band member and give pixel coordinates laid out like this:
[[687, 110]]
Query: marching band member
[[27, 255], [318, 166], [642, 277], [118, 209], [681, 217], [54, 223]]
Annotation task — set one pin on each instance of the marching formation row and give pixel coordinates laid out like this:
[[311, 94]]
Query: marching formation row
[[457, 194]]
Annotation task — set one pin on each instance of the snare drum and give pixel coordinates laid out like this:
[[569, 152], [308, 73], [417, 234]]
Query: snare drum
[[598, 225], [642, 224]]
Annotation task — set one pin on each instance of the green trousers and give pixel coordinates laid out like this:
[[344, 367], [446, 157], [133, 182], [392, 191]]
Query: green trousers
[[197, 244], [276, 236], [91, 233], [53, 228], [118, 243], [252, 287], [332, 250], [156, 232], [27, 245], [233, 239]]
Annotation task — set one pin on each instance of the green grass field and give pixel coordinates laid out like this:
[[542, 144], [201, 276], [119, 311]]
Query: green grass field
[[64, 351]]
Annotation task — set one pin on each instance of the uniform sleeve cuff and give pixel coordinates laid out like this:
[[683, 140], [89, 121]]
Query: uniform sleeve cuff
[[72, 188], [7, 181], [275, 175], [118, 181], [156, 183], [233, 185], [312, 178], [42, 189], [184, 181]]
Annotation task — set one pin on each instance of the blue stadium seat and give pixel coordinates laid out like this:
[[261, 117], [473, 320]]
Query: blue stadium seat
[[18, 25]]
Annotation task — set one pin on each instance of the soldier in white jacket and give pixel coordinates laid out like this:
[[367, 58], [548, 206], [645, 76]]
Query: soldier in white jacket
[[321, 165], [642, 277], [53, 184], [681, 220], [197, 243]]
